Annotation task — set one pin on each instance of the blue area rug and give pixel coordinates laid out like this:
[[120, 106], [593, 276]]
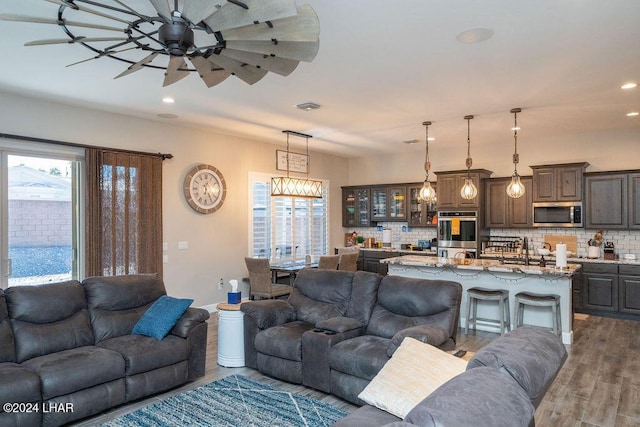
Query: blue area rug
[[233, 401]]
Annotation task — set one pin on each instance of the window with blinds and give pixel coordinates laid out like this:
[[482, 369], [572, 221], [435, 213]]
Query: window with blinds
[[287, 228]]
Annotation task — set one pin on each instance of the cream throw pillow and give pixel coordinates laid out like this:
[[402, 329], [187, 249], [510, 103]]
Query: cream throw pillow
[[414, 371]]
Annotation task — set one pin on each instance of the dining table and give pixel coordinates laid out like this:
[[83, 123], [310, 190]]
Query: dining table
[[290, 267]]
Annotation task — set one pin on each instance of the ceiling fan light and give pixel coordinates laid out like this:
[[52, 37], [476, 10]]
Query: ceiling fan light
[[427, 192], [469, 190], [515, 189]]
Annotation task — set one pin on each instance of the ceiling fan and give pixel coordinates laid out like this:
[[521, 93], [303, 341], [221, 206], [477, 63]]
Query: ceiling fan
[[245, 38]]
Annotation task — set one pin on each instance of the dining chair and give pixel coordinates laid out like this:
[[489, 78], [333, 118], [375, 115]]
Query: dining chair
[[329, 262], [349, 261], [260, 284]]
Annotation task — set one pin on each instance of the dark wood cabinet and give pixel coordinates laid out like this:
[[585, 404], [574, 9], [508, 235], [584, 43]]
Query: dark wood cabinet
[[576, 292], [629, 293], [612, 200], [356, 207], [501, 211], [558, 183], [421, 213], [600, 287], [389, 203], [450, 183], [371, 261], [606, 201], [634, 200]]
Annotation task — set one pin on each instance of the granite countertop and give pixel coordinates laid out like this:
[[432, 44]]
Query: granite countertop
[[490, 265], [536, 258]]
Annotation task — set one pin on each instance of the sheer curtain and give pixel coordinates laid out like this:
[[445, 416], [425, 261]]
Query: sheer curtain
[[123, 213]]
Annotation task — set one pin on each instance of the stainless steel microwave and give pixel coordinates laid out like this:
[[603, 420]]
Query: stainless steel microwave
[[557, 214]]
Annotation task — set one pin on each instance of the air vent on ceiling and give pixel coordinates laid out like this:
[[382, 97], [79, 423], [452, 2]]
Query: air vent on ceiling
[[308, 106]]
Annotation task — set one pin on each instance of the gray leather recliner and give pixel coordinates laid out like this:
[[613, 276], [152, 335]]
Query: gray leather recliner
[[427, 310]]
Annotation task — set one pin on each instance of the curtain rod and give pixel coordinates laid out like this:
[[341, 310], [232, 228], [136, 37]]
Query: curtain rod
[[164, 156]]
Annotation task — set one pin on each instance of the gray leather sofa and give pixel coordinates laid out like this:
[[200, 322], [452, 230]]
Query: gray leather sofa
[[503, 385], [68, 346], [337, 329]]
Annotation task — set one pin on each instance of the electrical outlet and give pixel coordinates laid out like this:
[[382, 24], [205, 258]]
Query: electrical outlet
[[220, 284]]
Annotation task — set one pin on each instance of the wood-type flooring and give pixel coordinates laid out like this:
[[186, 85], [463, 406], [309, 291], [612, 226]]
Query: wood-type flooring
[[599, 385]]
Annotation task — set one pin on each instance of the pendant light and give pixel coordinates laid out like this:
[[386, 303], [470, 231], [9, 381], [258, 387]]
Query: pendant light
[[469, 190], [296, 187], [515, 188], [427, 192]]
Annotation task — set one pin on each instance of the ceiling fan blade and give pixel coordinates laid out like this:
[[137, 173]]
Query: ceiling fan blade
[[176, 70], [282, 66], [36, 20], [162, 7], [138, 65], [231, 15], [76, 40], [304, 26], [197, 10], [208, 74], [87, 10], [107, 53], [247, 73], [299, 51]]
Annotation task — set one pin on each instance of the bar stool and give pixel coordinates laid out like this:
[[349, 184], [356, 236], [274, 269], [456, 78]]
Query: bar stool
[[538, 300], [500, 295]]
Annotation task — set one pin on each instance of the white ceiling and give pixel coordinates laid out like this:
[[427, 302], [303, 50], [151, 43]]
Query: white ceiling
[[384, 66]]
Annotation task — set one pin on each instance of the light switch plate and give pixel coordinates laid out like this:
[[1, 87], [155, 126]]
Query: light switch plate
[[183, 245]]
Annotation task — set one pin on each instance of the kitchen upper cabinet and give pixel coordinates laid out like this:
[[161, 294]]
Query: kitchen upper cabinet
[[501, 211], [450, 184], [606, 201], [421, 213], [558, 183], [389, 203], [612, 200], [634, 200], [356, 207]]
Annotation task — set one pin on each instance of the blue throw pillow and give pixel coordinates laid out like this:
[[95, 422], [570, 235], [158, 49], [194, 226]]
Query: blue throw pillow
[[161, 317]]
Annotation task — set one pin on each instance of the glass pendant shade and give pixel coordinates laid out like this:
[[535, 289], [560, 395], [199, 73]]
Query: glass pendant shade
[[427, 192], [469, 190], [515, 189]]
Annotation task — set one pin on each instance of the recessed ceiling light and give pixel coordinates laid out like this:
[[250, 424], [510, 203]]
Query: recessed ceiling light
[[308, 106], [629, 86], [431, 138], [475, 35], [516, 128], [168, 100], [633, 114], [168, 116]]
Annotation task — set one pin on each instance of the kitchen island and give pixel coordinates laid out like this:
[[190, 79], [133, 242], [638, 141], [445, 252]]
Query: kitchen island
[[492, 274]]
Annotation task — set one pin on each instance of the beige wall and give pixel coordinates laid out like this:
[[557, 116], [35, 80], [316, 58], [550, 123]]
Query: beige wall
[[217, 242], [610, 150]]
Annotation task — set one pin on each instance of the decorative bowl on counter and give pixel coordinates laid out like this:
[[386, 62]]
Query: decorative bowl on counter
[[543, 251]]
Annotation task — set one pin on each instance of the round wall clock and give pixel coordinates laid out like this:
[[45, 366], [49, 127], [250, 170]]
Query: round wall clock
[[204, 189]]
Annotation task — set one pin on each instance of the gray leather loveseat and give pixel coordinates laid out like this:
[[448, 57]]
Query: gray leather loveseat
[[337, 329], [68, 348]]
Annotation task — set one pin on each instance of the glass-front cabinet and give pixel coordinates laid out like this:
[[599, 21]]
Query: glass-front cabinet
[[421, 213], [389, 203], [356, 207]]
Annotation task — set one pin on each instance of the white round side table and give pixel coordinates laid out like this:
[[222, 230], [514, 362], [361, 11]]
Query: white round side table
[[230, 335]]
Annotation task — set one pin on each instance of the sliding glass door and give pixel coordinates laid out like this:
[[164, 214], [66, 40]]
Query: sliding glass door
[[39, 218]]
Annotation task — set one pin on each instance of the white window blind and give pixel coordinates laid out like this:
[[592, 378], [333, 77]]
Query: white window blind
[[287, 228]]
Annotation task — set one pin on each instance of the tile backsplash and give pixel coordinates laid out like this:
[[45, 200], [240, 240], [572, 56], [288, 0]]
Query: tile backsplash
[[625, 241]]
